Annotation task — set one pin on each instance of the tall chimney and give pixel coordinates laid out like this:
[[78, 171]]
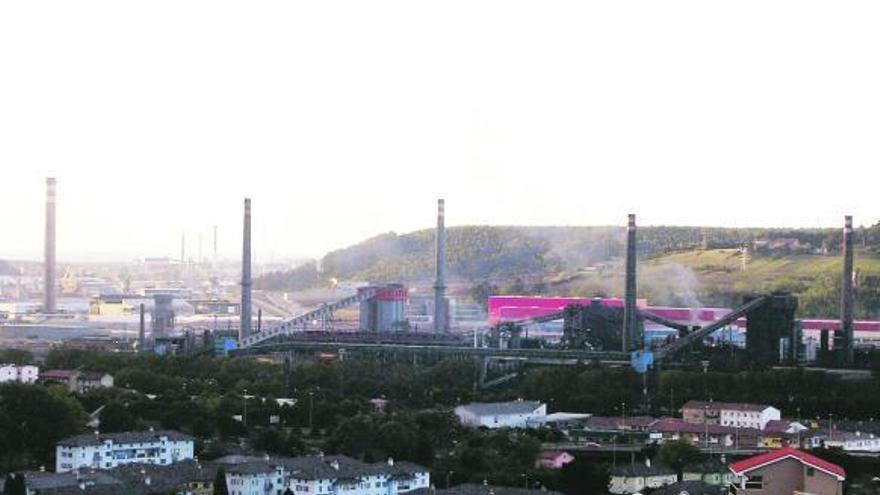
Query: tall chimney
[[629, 307], [440, 324], [846, 295], [49, 262], [245, 329], [142, 331]]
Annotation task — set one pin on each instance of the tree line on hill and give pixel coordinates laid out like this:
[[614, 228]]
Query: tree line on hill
[[493, 253]]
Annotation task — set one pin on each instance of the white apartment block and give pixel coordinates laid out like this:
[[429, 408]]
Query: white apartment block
[[319, 475], [108, 451], [757, 417], [735, 415], [19, 373], [851, 442], [515, 414]]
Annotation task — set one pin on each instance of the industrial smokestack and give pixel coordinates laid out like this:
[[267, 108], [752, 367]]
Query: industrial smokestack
[[142, 331], [246, 282], [49, 262], [846, 295], [440, 324], [630, 318]]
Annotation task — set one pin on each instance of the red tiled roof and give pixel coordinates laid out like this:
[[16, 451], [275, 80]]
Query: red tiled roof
[[785, 453], [777, 426], [551, 454], [676, 425], [58, 374]]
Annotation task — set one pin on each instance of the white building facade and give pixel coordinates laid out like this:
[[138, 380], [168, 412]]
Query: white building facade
[[319, 475], [516, 414], [19, 373], [732, 414], [112, 450], [852, 442], [749, 417]]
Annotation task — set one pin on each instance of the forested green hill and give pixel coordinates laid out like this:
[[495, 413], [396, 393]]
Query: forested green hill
[[480, 253], [679, 265]]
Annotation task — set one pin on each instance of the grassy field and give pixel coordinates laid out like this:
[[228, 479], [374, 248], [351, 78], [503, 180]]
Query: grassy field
[[723, 268], [715, 278]]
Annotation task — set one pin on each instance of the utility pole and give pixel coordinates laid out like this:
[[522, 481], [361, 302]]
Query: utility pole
[[311, 408], [244, 416]]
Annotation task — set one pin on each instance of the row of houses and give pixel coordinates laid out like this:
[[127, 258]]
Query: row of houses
[[107, 451], [323, 475], [706, 424], [716, 437], [115, 459], [733, 414], [779, 472], [523, 414], [76, 381]]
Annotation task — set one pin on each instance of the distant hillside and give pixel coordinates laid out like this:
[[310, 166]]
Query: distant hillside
[[502, 255], [7, 269]]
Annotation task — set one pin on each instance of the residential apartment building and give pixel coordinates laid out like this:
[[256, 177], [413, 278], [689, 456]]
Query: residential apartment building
[[183, 478], [19, 373], [786, 471], [733, 414], [78, 382], [483, 489], [107, 451], [850, 441], [515, 414], [324, 475], [713, 471], [635, 478]]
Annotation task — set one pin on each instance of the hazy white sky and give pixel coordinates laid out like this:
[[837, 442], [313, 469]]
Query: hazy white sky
[[346, 119]]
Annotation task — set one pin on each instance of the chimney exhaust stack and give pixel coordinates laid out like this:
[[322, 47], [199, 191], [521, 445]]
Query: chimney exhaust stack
[[142, 331], [630, 318], [846, 296], [440, 314], [245, 329], [49, 261]]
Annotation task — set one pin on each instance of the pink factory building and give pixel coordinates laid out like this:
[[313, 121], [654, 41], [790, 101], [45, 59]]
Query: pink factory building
[[516, 308]]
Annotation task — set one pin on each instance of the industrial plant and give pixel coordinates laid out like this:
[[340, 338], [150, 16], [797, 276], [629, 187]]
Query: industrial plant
[[183, 307]]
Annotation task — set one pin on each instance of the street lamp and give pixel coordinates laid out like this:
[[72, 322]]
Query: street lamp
[[706, 425], [311, 408], [448, 474], [614, 450], [244, 416]]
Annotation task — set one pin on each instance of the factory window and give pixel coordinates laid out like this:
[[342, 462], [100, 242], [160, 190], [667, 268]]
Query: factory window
[[811, 471], [754, 483]]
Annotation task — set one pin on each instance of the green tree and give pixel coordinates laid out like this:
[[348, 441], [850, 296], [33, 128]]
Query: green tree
[[32, 420], [15, 485], [116, 417], [220, 487], [354, 437], [677, 454], [397, 440]]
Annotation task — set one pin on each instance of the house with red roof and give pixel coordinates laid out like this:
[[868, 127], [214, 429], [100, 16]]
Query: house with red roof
[[553, 459], [786, 471]]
